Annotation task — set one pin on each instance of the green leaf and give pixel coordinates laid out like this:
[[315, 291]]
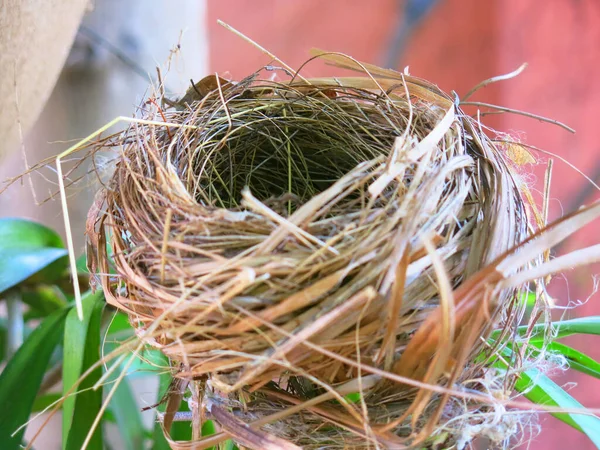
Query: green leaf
[[528, 299], [26, 333], [160, 443], [29, 250], [147, 362], [353, 398], [577, 360], [23, 233], [44, 401], [81, 264], [119, 329], [22, 376], [128, 416], [3, 337], [43, 299], [229, 445], [583, 325], [180, 431], [34, 265], [540, 389], [82, 351], [208, 428]]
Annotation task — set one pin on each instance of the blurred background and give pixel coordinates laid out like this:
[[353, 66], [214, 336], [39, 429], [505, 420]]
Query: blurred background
[[115, 47]]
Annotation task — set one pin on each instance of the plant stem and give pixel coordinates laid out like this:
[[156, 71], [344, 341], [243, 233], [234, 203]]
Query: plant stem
[[16, 325]]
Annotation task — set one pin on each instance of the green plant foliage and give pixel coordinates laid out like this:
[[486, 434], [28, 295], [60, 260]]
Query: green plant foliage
[[81, 352], [577, 360], [583, 325], [128, 417], [160, 443], [563, 328], [208, 428], [33, 257], [353, 398], [45, 401], [21, 378], [29, 252], [42, 300], [81, 264], [540, 389]]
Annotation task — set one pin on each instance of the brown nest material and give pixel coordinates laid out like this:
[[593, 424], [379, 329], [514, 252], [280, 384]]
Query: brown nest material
[[287, 243]]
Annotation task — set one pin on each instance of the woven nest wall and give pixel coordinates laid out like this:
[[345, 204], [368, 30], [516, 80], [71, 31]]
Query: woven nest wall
[[286, 243]]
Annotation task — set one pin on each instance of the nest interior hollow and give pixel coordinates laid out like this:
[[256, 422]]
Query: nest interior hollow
[[283, 233]]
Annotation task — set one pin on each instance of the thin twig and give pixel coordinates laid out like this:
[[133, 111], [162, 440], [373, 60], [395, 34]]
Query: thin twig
[[495, 79], [521, 113]]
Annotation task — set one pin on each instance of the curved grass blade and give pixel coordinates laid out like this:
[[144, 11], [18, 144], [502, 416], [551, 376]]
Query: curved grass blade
[[541, 390], [583, 325], [81, 351], [22, 376], [577, 360]]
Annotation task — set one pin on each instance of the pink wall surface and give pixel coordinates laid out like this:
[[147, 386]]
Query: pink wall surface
[[460, 43]]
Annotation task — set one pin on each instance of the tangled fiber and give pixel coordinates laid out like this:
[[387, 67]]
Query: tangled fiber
[[322, 259]]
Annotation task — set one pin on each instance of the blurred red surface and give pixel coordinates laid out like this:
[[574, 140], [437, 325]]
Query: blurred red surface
[[459, 44]]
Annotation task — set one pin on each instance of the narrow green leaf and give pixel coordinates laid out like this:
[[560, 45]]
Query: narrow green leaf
[[528, 299], [26, 333], [577, 360], [128, 416], [160, 443], [43, 299], [81, 351], [540, 389], [180, 431], [22, 376], [3, 338], [583, 325], [44, 401]]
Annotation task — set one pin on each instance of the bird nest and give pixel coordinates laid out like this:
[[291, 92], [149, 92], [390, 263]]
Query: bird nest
[[322, 258]]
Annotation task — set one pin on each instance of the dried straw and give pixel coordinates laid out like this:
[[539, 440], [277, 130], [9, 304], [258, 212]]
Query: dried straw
[[296, 241]]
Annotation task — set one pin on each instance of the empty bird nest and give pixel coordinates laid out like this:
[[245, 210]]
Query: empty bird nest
[[323, 260]]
